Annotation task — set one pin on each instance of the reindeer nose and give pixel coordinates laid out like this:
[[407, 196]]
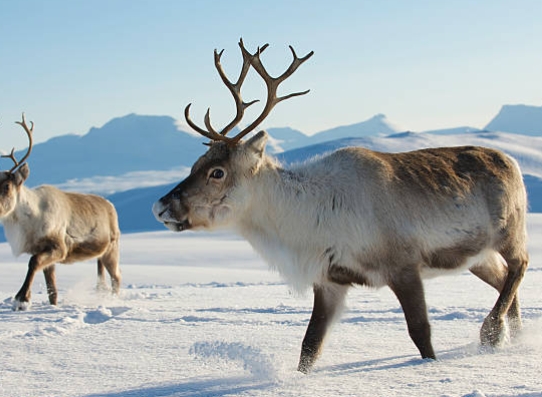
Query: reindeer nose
[[159, 209]]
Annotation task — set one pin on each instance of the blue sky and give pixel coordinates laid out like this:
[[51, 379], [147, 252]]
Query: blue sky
[[71, 65]]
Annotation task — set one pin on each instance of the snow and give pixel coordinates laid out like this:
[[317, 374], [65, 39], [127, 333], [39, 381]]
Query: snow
[[201, 315]]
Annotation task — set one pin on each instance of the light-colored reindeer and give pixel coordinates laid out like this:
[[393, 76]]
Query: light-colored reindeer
[[356, 216], [55, 227]]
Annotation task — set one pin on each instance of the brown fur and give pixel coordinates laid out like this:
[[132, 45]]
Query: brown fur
[[358, 216], [57, 227]]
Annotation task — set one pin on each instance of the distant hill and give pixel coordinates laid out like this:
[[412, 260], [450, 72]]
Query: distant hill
[[125, 144], [527, 150], [135, 159], [287, 138], [453, 131], [134, 206], [135, 143], [375, 126], [518, 119]]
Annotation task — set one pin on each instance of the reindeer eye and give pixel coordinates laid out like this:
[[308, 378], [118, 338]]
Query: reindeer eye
[[176, 194], [217, 173]]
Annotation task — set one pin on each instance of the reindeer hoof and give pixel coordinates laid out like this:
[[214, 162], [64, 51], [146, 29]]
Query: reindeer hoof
[[493, 332], [20, 305], [305, 365]]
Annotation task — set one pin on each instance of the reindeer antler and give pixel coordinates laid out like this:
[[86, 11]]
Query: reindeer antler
[[272, 84], [29, 134]]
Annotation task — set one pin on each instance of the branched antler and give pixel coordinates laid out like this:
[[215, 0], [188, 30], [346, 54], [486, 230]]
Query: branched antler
[[29, 132], [272, 84]]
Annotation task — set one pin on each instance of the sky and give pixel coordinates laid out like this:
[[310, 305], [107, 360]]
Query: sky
[[73, 65]]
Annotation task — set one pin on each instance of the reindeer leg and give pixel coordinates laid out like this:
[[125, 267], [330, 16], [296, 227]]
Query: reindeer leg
[[494, 272], [111, 262], [514, 317], [22, 299], [408, 287], [492, 331], [50, 281], [51, 254], [101, 285], [328, 301]]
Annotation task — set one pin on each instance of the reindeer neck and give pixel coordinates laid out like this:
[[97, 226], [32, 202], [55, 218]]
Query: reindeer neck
[[283, 206], [27, 206], [280, 198]]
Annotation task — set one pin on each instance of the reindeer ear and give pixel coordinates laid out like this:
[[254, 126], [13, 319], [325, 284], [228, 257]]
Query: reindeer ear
[[257, 142], [22, 174]]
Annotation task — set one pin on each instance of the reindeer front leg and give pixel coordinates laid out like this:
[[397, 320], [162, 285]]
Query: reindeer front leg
[[328, 302], [51, 254], [408, 287]]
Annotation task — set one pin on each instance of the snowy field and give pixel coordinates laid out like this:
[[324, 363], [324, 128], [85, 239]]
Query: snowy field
[[200, 315]]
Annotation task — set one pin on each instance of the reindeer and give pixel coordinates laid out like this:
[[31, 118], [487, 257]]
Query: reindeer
[[55, 226], [360, 217]]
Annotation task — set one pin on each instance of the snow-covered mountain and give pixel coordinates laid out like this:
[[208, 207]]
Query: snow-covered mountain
[[135, 206], [453, 131], [519, 119], [125, 144], [135, 159], [526, 149], [133, 144], [136, 143], [377, 125]]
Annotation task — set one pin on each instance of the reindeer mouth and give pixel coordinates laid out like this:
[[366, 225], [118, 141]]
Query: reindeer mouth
[[178, 226]]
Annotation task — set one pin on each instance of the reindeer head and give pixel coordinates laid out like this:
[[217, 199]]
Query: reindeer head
[[217, 187], [12, 180]]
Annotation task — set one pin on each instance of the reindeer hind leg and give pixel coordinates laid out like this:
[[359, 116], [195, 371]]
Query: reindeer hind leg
[[50, 281], [101, 285], [492, 332], [494, 271], [110, 261]]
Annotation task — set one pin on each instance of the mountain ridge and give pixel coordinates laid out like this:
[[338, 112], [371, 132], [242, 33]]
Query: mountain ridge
[[518, 119], [138, 158], [527, 151], [134, 143]]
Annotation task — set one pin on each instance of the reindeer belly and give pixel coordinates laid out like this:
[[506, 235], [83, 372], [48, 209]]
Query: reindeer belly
[[451, 263], [84, 250]]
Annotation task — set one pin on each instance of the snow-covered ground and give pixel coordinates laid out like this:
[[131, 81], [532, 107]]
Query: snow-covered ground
[[200, 315]]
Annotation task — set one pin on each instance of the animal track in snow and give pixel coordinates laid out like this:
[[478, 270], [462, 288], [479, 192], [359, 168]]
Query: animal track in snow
[[252, 359]]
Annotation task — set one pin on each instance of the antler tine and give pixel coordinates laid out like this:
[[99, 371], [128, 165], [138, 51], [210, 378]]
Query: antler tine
[[212, 135], [30, 137], [235, 90], [12, 157], [294, 65], [29, 132], [207, 121], [272, 84]]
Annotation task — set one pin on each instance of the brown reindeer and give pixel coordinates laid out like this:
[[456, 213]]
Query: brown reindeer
[[357, 216], [55, 226]]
